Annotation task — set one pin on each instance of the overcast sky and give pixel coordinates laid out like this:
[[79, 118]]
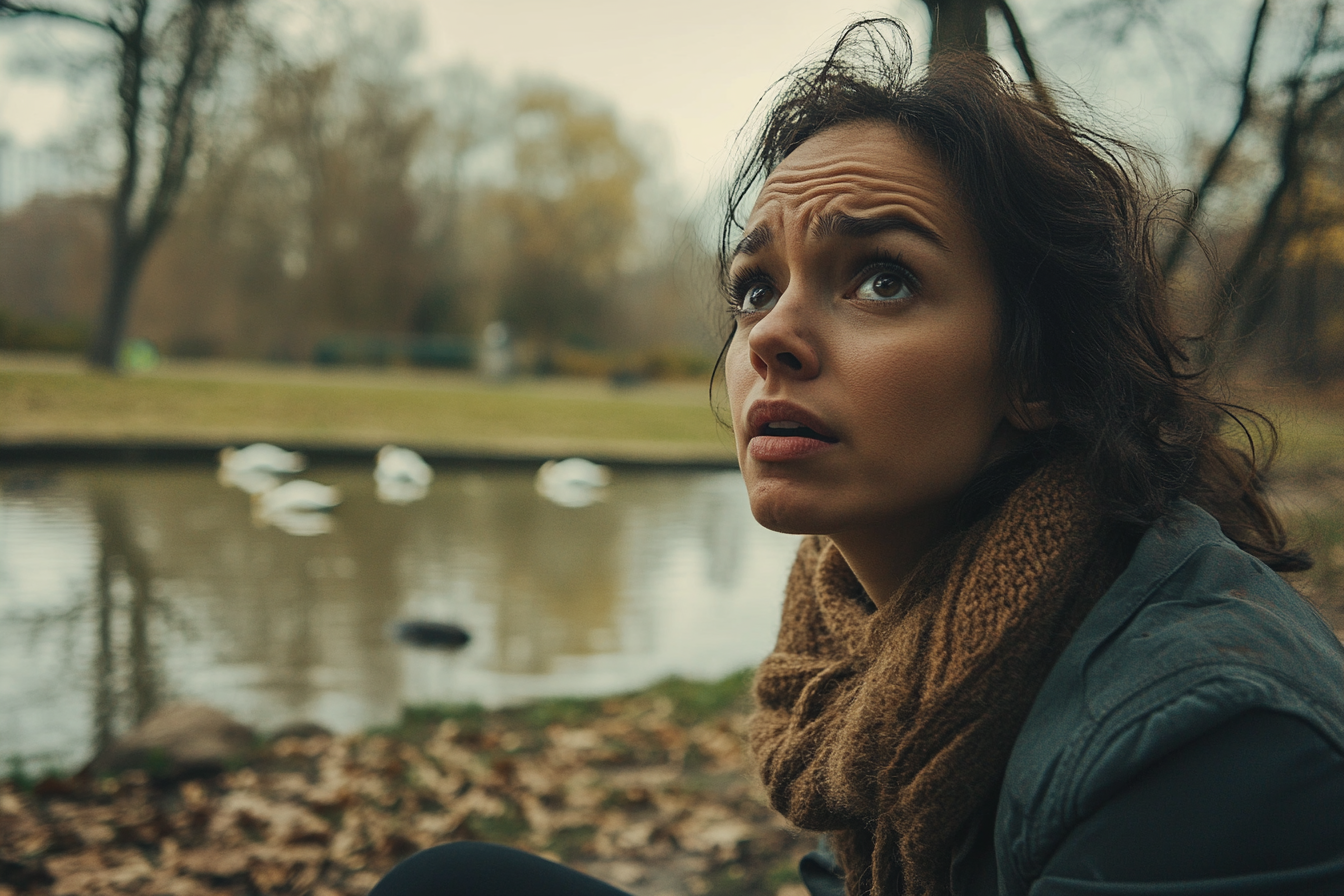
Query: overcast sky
[[692, 69]]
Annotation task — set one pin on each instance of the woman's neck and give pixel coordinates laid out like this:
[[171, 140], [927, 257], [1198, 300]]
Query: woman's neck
[[884, 557]]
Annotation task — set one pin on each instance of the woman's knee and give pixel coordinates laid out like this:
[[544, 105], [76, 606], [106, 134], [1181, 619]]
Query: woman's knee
[[468, 867], [462, 864]]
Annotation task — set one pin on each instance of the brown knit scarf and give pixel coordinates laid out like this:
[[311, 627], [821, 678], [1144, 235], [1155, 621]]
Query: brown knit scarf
[[891, 729]]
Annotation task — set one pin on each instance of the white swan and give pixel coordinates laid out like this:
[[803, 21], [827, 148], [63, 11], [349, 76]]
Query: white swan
[[575, 471], [299, 522], [402, 465], [261, 458], [254, 482], [572, 482], [298, 496], [399, 491], [298, 507], [402, 476]]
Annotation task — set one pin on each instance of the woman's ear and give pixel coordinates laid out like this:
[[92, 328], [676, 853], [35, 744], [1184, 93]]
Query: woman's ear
[[1030, 416]]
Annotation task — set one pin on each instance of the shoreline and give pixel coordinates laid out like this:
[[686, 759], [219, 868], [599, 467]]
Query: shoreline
[[57, 413], [28, 452]]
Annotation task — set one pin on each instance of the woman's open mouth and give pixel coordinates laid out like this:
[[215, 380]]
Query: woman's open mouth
[[784, 431], [790, 430]]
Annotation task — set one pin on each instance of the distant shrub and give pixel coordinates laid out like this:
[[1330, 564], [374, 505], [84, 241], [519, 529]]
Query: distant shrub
[[29, 334], [194, 347], [632, 367], [373, 350]]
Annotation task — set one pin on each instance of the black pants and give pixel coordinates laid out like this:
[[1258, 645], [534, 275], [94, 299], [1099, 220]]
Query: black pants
[[486, 869]]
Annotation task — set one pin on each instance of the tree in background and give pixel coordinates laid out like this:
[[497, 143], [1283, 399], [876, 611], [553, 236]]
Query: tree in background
[[469, 121], [1269, 189], [301, 220], [1302, 119], [571, 212], [964, 24], [164, 60], [1283, 140], [340, 146]]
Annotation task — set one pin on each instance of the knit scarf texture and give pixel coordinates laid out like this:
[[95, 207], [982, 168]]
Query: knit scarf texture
[[890, 728]]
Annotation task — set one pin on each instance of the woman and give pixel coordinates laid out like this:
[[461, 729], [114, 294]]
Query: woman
[[1032, 641]]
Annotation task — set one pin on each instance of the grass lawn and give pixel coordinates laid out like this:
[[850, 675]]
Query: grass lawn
[[55, 400], [1311, 436]]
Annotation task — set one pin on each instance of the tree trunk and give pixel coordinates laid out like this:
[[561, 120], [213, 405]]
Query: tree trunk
[[959, 24], [115, 312], [1306, 326]]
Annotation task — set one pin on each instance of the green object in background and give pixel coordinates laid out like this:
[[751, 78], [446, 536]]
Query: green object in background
[[139, 355]]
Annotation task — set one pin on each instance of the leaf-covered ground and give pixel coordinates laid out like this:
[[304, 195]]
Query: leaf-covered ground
[[651, 793]]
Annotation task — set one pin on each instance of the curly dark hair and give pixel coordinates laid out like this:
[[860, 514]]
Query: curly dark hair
[[1070, 219]]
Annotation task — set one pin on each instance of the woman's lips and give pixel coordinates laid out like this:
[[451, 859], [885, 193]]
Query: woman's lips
[[782, 430], [779, 448]]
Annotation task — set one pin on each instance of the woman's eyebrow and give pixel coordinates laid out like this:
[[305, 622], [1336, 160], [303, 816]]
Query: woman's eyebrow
[[839, 224], [755, 241]]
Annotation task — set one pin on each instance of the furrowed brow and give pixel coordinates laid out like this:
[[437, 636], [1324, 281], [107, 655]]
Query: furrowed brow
[[848, 225], [753, 242]]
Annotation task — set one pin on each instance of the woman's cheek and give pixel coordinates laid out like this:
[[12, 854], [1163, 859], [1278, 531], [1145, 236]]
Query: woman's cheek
[[737, 375]]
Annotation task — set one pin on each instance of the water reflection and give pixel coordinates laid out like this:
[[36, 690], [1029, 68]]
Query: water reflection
[[121, 562], [121, 587]]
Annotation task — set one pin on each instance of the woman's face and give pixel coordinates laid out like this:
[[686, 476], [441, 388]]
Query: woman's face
[[863, 377]]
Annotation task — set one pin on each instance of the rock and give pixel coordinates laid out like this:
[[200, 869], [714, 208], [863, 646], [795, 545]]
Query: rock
[[427, 633], [178, 740]]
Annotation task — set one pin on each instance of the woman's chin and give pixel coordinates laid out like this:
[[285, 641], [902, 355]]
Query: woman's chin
[[790, 517]]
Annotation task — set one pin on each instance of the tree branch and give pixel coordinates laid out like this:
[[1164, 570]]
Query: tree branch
[[11, 10], [1272, 231], [130, 86], [1024, 53], [1182, 236], [1019, 40], [179, 120]]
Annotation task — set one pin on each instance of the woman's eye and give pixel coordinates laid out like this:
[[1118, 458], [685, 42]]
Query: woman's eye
[[884, 286], [758, 297]]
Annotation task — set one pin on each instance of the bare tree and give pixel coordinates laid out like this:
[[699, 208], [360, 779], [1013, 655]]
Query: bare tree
[[1288, 124], [164, 55], [964, 24], [1311, 106], [1218, 161], [1298, 112]]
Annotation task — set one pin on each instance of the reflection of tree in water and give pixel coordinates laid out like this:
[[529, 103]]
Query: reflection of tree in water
[[178, 593], [722, 526], [560, 593], [550, 572], [121, 559], [558, 576], [124, 675], [301, 617], [671, 520], [312, 613]]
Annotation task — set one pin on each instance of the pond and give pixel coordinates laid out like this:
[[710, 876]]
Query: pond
[[125, 586]]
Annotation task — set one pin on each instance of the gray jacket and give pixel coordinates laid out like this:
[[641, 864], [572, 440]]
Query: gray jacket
[[1193, 636]]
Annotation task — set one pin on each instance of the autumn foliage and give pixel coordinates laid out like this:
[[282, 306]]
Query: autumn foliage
[[630, 792]]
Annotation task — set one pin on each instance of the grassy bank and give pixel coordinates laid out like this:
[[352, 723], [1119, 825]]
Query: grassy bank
[[224, 404], [650, 791], [56, 399]]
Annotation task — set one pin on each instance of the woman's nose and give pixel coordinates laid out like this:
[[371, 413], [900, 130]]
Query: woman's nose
[[783, 344]]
